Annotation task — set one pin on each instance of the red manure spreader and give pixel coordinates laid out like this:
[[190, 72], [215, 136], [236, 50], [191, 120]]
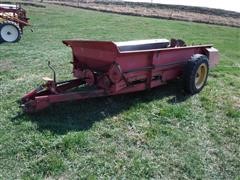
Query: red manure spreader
[[12, 21], [105, 68]]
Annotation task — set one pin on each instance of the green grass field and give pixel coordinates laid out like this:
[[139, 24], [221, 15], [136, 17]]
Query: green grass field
[[153, 134]]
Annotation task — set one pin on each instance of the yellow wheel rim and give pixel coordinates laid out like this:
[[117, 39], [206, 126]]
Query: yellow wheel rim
[[201, 76]]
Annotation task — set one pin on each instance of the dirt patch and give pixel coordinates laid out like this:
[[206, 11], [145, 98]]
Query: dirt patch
[[6, 66], [185, 13]]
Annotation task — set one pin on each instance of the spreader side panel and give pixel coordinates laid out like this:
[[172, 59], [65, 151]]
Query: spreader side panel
[[94, 55]]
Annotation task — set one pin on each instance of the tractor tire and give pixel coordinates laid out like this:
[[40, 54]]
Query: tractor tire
[[0, 38], [9, 32], [196, 73]]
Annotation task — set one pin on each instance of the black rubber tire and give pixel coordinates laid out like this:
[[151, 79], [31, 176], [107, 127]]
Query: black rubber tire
[[190, 73], [12, 24]]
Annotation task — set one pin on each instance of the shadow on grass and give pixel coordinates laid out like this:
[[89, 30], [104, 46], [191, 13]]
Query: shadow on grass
[[78, 116]]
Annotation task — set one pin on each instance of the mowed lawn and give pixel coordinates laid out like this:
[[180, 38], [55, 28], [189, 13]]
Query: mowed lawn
[[160, 133]]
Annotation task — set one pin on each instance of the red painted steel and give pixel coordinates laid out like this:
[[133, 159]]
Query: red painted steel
[[112, 68]]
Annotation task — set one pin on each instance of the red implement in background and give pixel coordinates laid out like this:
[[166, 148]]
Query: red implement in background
[[13, 19], [112, 68]]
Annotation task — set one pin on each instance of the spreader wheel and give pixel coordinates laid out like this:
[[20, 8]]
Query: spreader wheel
[[196, 73], [9, 32]]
